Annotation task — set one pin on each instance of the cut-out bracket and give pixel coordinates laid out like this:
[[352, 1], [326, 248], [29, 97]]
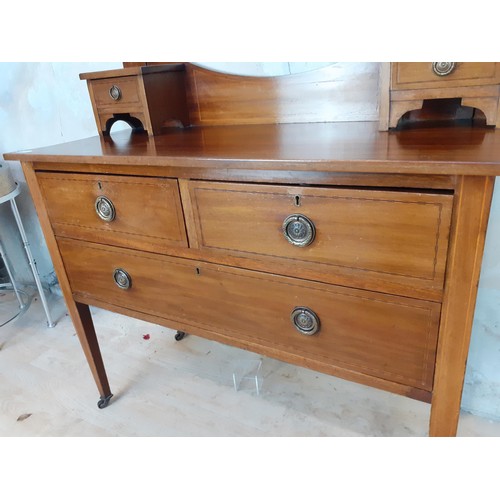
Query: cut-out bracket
[[404, 87]]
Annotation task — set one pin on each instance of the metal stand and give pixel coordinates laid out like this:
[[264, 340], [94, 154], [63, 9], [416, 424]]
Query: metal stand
[[11, 286], [11, 197], [11, 277]]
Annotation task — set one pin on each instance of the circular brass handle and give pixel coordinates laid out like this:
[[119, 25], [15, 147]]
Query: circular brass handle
[[115, 93], [443, 68], [299, 230], [305, 320], [122, 278], [105, 209]]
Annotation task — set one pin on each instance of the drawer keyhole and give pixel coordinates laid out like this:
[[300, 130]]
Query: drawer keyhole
[[297, 201]]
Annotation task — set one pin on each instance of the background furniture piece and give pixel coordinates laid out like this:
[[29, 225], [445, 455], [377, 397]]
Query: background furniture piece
[[404, 86], [11, 197], [330, 245]]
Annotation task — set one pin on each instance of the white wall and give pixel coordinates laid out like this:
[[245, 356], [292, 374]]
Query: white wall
[[46, 103], [482, 381]]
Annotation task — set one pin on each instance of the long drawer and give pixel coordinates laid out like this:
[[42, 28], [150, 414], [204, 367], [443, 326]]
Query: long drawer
[[128, 211], [383, 336], [389, 241]]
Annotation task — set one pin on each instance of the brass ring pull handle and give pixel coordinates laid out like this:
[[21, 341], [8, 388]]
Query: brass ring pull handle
[[443, 68], [299, 230], [105, 209], [122, 279], [305, 320], [115, 93]]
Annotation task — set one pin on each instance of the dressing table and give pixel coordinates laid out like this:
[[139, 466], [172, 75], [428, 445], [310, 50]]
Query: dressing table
[[265, 225]]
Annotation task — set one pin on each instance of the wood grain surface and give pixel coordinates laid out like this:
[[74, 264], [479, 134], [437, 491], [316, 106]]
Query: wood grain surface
[[217, 98], [389, 337], [471, 211], [148, 210], [379, 240], [419, 75], [356, 147]]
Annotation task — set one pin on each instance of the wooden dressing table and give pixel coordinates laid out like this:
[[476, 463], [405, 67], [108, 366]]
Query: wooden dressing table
[[333, 246]]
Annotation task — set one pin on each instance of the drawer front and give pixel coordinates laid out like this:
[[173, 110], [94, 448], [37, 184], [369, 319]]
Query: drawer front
[[146, 213], [417, 75], [390, 241], [125, 91], [379, 335]]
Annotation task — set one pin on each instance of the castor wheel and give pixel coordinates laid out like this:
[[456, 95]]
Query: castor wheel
[[180, 335], [103, 402]]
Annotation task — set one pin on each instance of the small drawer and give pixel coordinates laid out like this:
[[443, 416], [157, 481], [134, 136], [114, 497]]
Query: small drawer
[[389, 241], [420, 75], [115, 93], [136, 212], [152, 98], [383, 336]]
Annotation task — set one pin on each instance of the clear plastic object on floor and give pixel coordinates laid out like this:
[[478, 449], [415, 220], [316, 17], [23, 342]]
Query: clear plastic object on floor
[[247, 375]]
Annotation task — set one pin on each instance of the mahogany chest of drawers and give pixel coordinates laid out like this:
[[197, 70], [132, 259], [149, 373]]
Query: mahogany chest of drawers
[[330, 245]]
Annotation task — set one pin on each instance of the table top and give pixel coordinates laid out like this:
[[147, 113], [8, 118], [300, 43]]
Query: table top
[[356, 147]]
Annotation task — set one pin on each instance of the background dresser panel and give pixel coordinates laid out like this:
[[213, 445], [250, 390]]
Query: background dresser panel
[[321, 95], [148, 213], [390, 241], [388, 337]]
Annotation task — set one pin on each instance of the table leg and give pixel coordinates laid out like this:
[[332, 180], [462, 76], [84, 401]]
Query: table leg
[[82, 320], [470, 218], [79, 313]]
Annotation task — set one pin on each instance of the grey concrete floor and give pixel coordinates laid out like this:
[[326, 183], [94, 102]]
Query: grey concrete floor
[[168, 388]]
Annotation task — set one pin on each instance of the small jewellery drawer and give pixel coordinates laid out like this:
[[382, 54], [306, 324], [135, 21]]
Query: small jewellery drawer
[[382, 336], [135, 212], [116, 93], [147, 97], [443, 74], [388, 241]]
